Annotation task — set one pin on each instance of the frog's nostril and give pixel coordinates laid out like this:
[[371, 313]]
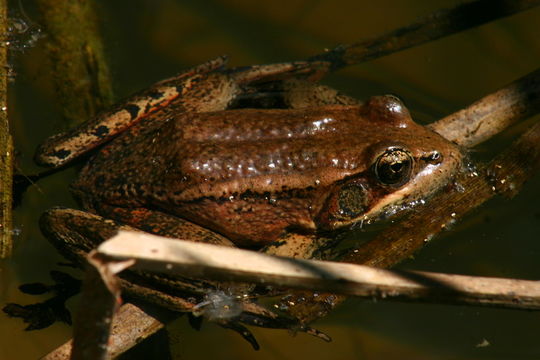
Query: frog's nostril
[[434, 158]]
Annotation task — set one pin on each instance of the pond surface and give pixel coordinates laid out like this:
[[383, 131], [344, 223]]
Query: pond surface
[[150, 40]]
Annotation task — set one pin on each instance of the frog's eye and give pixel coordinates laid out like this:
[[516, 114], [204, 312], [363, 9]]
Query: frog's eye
[[351, 201], [394, 167]]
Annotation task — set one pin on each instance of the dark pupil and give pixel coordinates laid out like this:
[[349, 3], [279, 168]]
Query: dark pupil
[[394, 167]]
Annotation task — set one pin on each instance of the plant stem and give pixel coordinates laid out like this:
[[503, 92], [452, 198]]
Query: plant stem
[[6, 144]]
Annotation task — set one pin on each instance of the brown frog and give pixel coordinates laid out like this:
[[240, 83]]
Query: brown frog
[[182, 160]]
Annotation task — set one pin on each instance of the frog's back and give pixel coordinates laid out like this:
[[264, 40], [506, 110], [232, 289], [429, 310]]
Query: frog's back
[[268, 150], [218, 153]]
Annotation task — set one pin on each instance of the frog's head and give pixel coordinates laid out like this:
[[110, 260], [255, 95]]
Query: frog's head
[[401, 171]]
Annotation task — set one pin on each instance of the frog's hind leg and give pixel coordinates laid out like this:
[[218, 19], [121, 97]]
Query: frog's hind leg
[[307, 70], [63, 148], [75, 233]]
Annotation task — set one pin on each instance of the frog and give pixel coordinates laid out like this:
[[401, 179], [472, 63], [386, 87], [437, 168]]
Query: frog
[[254, 157]]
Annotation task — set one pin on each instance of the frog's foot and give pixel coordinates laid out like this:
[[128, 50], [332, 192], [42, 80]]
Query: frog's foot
[[259, 316], [43, 314], [238, 327], [221, 309]]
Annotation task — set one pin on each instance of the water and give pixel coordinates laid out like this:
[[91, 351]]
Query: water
[[150, 40]]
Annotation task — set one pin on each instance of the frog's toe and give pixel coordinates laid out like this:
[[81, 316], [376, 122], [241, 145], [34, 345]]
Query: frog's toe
[[242, 330]]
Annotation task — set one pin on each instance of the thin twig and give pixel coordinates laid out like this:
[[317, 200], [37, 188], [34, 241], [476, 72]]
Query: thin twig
[[6, 145]]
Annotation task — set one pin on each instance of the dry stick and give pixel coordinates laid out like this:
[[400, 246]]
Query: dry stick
[[186, 258], [97, 333], [129, 327], [6, 145], [100, 299], [434, 26], [493, 113]]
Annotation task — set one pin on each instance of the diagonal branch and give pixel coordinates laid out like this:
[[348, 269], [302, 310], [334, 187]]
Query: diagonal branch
[[432, 27]]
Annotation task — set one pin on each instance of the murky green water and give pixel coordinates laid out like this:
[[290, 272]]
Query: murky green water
[[150, 40]]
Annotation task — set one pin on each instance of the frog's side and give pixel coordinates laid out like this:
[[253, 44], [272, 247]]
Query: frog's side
[[250, 174]]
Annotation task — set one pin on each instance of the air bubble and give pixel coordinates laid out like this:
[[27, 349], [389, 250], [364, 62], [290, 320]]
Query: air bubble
[[22, 35]]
